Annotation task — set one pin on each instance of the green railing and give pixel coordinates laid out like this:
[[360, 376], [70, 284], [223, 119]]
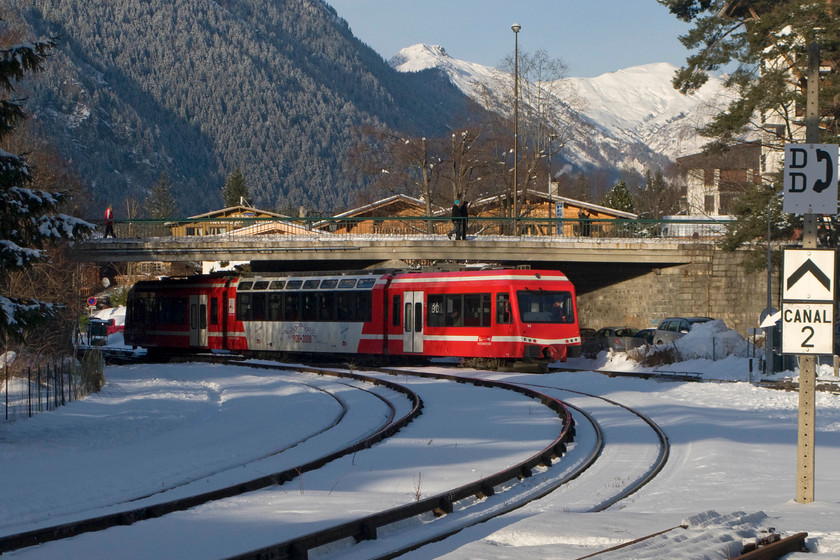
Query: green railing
[[421, 226]]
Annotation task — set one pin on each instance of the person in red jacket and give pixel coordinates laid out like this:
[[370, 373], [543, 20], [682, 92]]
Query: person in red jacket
[[109, 222]]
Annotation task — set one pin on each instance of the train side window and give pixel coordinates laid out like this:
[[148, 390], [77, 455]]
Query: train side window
[[243, 307], [366, 282], [407, 322], [214, 311], [291, 307], [395, 310], [326, 306], [477, 310], [277, 285], [435, 316], [346, 304], [503, 314], [294, 284], [364, 301], [454, 309], [275, 306], [311, 284], [347, 283], [261, 285], [309, 307], [245, 285], [329, 283], [202, 316], [258, 307]]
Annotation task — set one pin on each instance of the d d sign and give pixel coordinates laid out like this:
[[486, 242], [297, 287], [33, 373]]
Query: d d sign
[[810, 182]]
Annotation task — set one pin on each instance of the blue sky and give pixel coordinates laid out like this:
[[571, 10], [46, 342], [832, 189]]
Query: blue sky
[[591, 36]]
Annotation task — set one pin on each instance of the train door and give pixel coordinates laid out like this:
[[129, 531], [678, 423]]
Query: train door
[[413, 322], [198, 320]]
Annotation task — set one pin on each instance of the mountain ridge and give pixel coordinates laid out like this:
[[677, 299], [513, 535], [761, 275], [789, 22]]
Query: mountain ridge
[[640, 118]]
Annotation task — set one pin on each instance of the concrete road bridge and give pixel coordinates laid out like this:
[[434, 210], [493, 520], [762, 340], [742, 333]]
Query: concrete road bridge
[[620, 281]]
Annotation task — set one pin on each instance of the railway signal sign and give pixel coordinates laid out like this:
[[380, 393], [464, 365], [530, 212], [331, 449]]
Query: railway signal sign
[[810, 181]]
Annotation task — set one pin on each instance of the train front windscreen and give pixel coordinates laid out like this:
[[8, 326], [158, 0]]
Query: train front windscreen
[[545, 307]]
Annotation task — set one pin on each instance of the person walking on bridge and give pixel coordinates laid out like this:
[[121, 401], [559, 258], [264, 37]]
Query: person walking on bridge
[[109, 222]]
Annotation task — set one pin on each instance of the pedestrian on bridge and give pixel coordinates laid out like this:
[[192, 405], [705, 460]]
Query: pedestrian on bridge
[[109, 222]]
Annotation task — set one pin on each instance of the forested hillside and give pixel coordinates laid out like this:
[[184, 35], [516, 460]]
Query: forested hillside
[[198, 88]]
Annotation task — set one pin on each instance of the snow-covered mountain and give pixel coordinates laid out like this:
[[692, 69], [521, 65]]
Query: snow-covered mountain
[[629, 119]]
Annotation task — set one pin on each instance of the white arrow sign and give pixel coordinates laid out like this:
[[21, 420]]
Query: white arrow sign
[[808, 275], [810, 181]]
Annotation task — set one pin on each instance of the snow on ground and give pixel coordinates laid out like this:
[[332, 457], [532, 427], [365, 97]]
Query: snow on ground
[[732, 467]]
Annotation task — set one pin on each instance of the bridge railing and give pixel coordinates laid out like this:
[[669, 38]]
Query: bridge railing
[[697, 229]]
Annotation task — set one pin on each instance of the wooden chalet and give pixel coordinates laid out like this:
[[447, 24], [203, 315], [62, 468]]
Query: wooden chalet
[[382, 217], [229, 220], [546, 214]]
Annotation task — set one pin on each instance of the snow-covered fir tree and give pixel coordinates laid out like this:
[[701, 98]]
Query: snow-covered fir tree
[[29, 219]]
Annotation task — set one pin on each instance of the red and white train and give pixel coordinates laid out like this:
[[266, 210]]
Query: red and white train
[[511, 315]]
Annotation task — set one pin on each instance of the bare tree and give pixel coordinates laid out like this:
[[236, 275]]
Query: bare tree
[[545, 115]]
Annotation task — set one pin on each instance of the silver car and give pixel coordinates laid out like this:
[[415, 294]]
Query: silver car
[[672, 328]]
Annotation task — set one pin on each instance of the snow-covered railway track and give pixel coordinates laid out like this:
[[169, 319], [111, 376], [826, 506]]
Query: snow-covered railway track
[[307, 451]]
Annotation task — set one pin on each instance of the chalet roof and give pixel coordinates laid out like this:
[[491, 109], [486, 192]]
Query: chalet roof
[[274, 227], [566, 201], [236, 212], [385, 202]]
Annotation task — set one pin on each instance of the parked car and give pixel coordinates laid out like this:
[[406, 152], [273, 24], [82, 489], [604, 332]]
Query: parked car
[[608, 338], [672, 328], [585, 334], [645, 336]]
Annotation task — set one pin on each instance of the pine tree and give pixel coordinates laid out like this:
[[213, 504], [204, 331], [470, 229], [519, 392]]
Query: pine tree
[[767, 43], [235, 190], [29, 219], [161, 203], [619, 198]]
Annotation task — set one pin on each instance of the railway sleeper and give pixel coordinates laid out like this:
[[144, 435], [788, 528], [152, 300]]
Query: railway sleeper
[[367, 532], [486, 491], [444, 507]]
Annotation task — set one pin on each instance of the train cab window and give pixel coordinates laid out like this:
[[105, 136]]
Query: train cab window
[[503, 314], [262, 285], [294, 284], [395, 310], [275, 306], [214, 311], [311, 284], [329, 283], [545, 307], [244, 285], [277, 285], [347, 283], [365, 283]]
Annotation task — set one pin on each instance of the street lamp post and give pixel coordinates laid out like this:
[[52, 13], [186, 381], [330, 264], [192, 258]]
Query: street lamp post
[[515, 27]]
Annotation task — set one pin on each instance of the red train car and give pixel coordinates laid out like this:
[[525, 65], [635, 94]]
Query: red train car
[[495, 314]]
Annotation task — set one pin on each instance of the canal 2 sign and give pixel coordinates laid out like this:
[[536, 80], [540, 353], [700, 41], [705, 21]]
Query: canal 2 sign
[[808, 301]]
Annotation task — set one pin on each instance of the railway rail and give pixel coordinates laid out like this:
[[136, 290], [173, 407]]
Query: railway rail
[[453, 510]]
